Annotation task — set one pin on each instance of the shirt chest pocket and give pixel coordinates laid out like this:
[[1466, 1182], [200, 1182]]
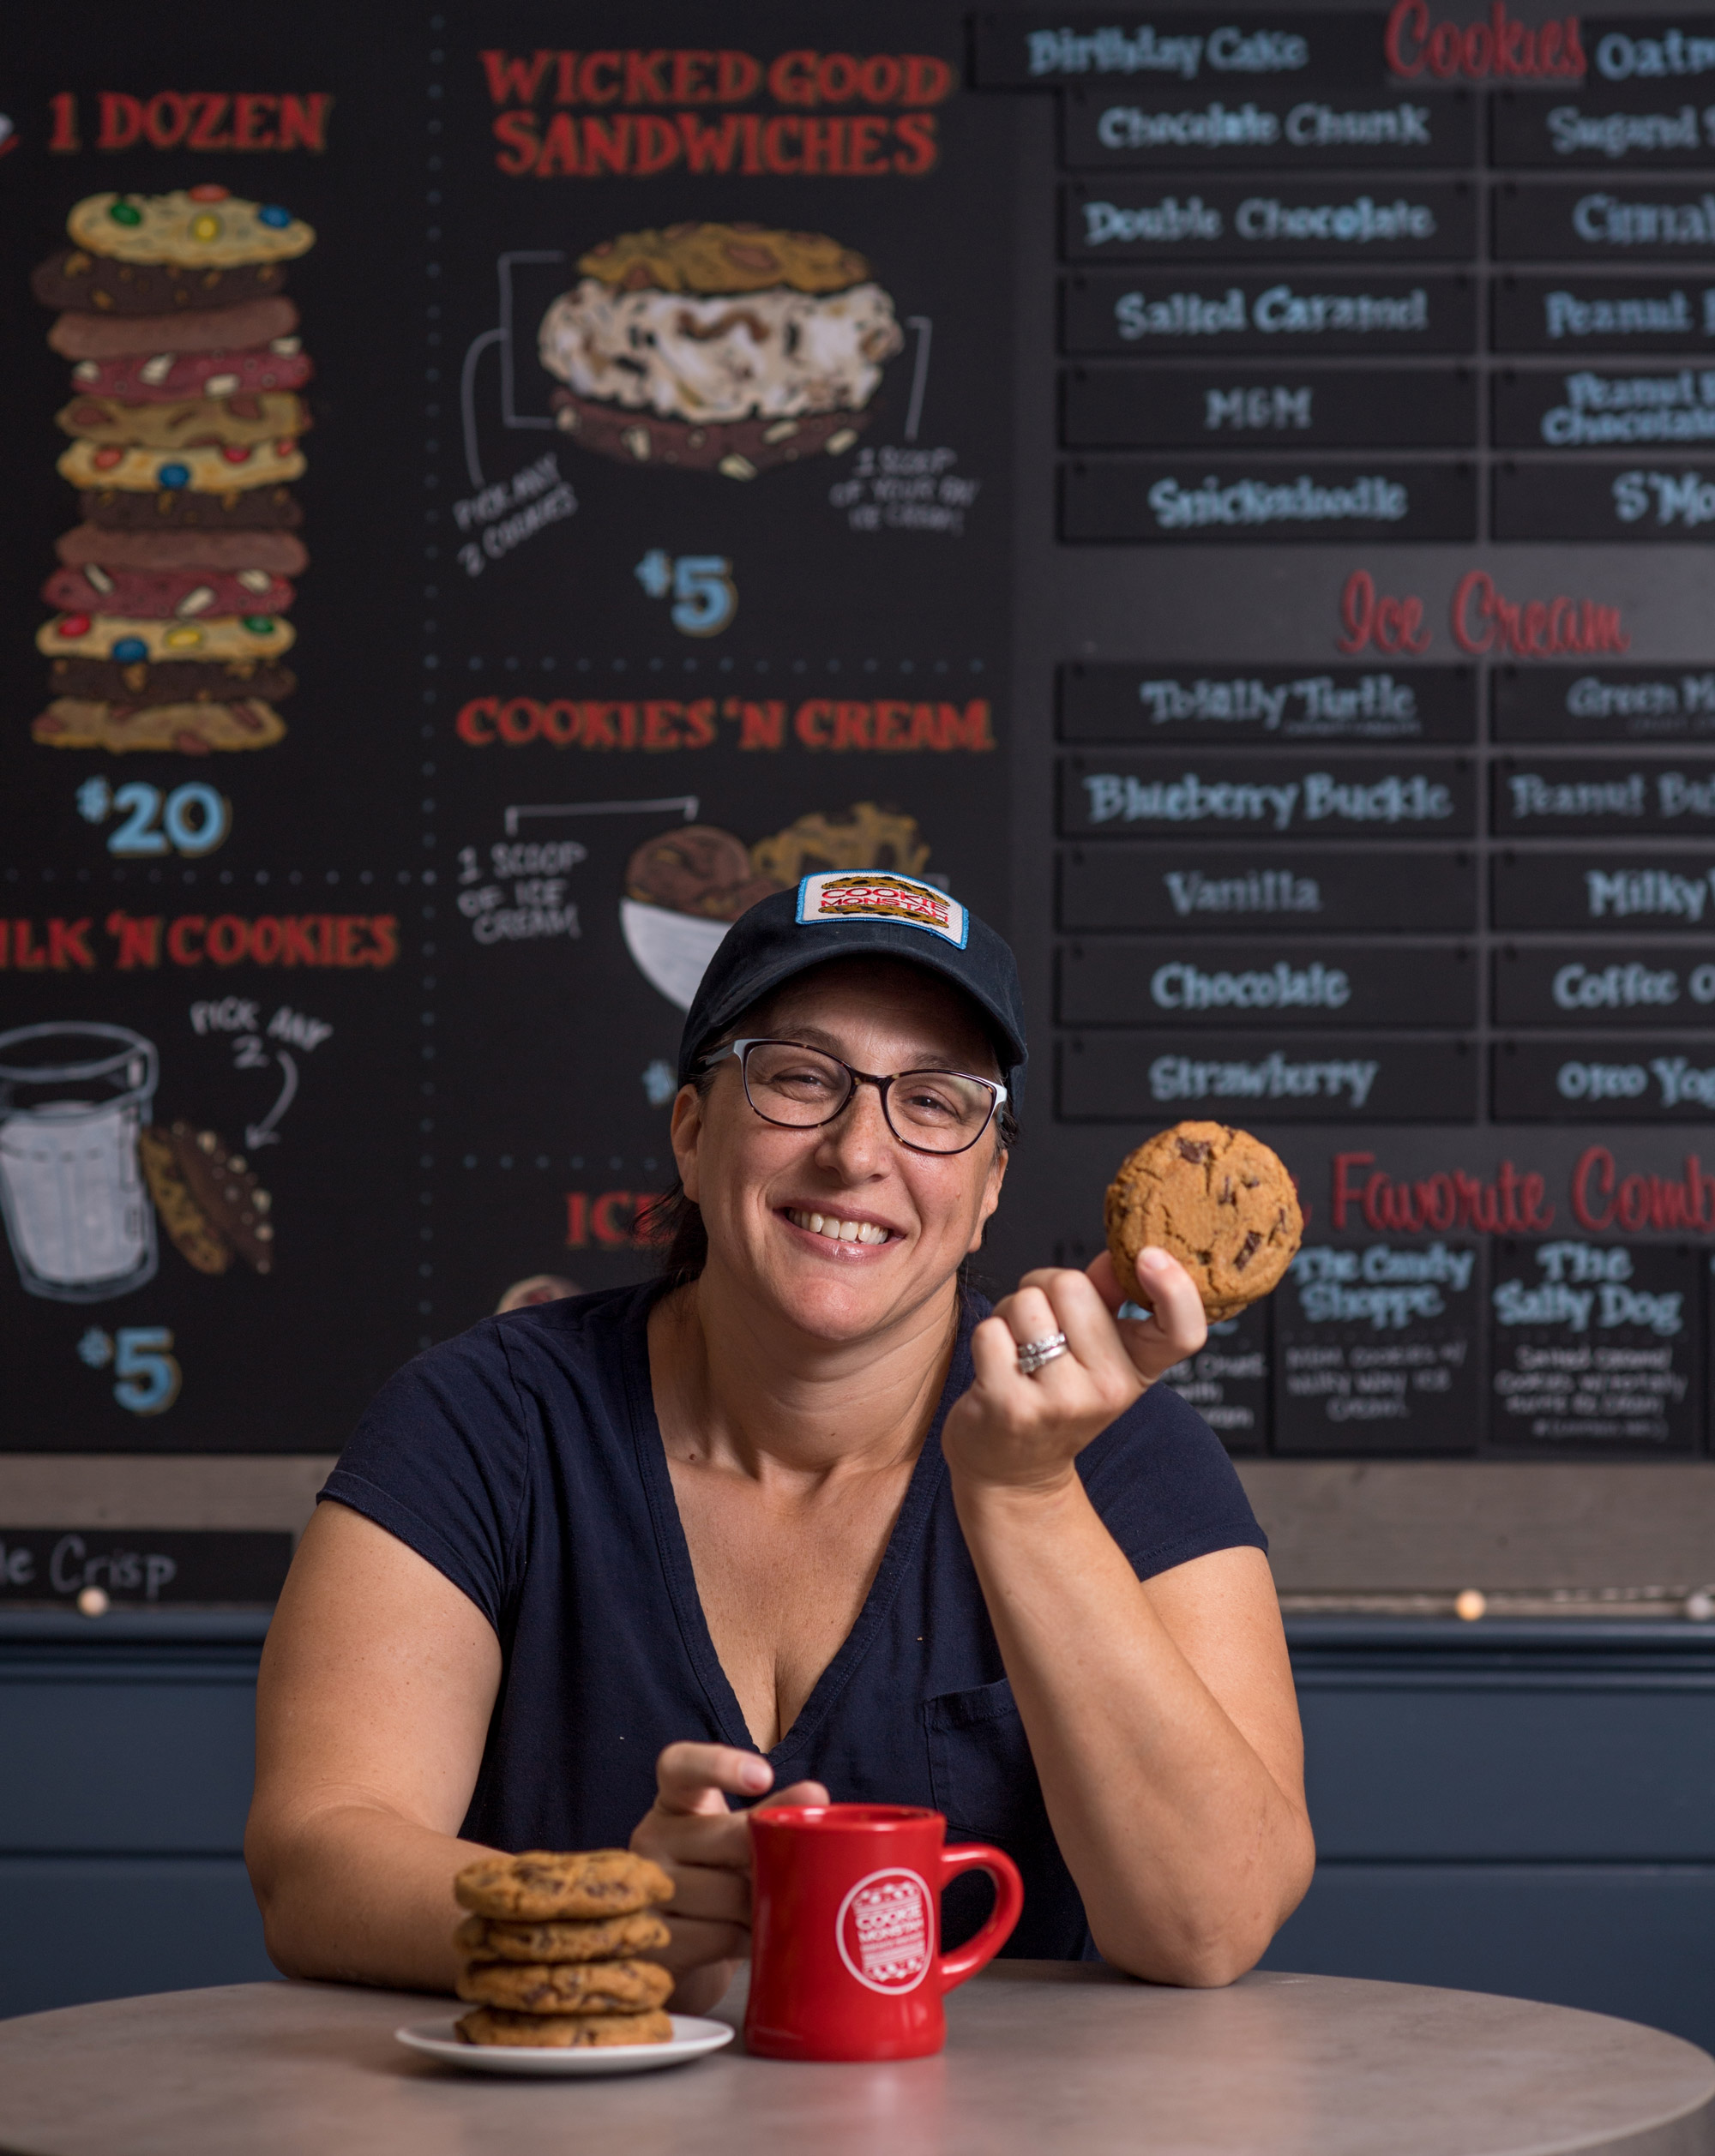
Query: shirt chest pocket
[[981, 1772]]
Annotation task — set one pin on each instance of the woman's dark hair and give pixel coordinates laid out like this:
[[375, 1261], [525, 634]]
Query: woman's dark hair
[[673, 1222]]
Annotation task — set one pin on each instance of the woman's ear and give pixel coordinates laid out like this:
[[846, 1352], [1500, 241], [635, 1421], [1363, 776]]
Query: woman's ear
[[685, 1132], [991, 1197]]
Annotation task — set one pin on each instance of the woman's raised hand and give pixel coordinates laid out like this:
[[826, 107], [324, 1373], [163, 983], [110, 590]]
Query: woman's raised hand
[[694, 1834], [1019, 1431]]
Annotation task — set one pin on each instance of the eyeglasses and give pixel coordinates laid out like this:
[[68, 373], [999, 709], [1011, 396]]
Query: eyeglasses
[[802, 1088]]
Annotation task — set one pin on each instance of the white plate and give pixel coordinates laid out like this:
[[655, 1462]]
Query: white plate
[[692, 2038]]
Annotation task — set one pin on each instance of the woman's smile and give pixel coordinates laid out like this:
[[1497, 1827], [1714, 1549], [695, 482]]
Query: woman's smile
[[851, 1234]]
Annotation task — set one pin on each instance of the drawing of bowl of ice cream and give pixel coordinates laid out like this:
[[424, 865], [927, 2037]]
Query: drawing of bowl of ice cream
[[684, 889]]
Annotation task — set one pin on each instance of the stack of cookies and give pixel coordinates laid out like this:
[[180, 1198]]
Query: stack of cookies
[[184, 419], [551, 1946]]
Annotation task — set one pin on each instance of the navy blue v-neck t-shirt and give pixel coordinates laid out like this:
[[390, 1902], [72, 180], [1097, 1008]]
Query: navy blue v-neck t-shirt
[[523, 1460]]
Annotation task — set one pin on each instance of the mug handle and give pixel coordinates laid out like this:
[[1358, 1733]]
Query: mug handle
[[977, 1856]]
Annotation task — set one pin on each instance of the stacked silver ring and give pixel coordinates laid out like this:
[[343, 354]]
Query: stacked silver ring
[[1036, 1354]]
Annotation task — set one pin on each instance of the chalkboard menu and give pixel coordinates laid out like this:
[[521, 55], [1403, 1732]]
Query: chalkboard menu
[[495, 491]]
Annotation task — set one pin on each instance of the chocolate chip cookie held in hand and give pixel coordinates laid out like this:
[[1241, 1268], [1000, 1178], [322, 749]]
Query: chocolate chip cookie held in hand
[[1219, 1201]]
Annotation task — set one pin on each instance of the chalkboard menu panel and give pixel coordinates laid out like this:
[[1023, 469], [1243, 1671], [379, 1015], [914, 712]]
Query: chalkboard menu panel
[[141, 1568], [1662, 501], [1665, 220], [606, 477], [1610, 408], [1273, 796], [1285, 890], [1235, 221], [1228, 1381], [1191, 981], [1626, 127], [1651, 1081], [1321, 314], [1620, 704], [1626, 893], [1181, 700], [1568, 316], [1597, 1344], [1578, 797], [1623, 985], [1376, 1347], [1183, 504], [1241, 52], [1280, 1077], [1282, 407], [1117, 129]]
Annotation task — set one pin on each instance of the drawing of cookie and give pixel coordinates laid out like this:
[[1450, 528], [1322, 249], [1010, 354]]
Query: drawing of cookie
[[162, 595], [183, 509], [1218, 1200], [172, 682], [718, 347], [75, 335], [189, 1233], [863, 836], [191, 227], [191, 422], [85, 545], [244, 636], [99, 285], [232, 466], [166, 377], [185, 730]]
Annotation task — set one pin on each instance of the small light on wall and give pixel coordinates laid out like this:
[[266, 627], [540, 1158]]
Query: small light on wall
[[1700, 1606], [93, 1602], [1470, 1605]]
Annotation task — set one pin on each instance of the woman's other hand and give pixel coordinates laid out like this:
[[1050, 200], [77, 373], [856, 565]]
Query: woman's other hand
[[1019, 1431], [694, 1835]]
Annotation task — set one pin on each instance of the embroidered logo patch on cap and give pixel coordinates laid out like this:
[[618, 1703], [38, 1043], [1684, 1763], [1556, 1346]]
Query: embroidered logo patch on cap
[[874, 895]]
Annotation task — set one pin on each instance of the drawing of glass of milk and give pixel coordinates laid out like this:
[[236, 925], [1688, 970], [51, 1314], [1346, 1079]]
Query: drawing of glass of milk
[[72, 1100]]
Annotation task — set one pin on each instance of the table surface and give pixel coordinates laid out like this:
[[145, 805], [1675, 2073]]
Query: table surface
[[1040, 2056]]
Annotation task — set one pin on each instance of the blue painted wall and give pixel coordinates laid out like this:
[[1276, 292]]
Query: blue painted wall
[[1500, 1807]]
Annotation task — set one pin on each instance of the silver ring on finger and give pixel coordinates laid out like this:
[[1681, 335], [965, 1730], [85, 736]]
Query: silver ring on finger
[[1037, 1354]]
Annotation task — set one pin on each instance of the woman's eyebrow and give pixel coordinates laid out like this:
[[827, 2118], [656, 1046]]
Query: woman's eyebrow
[[816, 1036]]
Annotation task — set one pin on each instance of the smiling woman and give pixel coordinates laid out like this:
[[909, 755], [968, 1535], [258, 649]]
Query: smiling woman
[[803, 1517]]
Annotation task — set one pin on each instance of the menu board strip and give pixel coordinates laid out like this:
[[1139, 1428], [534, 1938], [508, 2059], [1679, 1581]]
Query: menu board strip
[[1152, 501], [1280, 407], [1272, 1078]]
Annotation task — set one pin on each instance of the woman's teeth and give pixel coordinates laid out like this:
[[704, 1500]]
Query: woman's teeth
[[837, 1230]]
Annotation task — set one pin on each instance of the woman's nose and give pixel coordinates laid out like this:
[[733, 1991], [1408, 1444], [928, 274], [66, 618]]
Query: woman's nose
[[858, 1138]]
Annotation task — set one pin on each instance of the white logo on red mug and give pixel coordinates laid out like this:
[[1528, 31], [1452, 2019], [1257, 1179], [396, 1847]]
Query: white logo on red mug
[[885, 1930]]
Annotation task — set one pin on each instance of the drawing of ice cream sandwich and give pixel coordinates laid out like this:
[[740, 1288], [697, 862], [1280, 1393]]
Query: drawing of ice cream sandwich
[[725, 348]]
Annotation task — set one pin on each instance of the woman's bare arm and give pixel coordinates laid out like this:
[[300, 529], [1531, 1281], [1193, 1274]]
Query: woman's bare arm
[[1161, 1713], [378, 1683]]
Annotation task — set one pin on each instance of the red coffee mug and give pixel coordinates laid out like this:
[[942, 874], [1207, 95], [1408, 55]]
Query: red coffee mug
[[845, 1929]]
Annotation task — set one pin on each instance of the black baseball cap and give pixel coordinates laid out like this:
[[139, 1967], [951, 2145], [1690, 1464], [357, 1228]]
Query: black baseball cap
[[860, 914]]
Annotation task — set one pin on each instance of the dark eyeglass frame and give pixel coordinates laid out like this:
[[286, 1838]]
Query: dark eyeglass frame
[[883, 1085]]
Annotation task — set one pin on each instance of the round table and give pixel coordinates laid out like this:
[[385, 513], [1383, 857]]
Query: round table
[[1040, 2057]]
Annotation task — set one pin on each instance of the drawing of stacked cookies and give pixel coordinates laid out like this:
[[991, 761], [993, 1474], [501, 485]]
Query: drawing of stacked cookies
[[185, 418]]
